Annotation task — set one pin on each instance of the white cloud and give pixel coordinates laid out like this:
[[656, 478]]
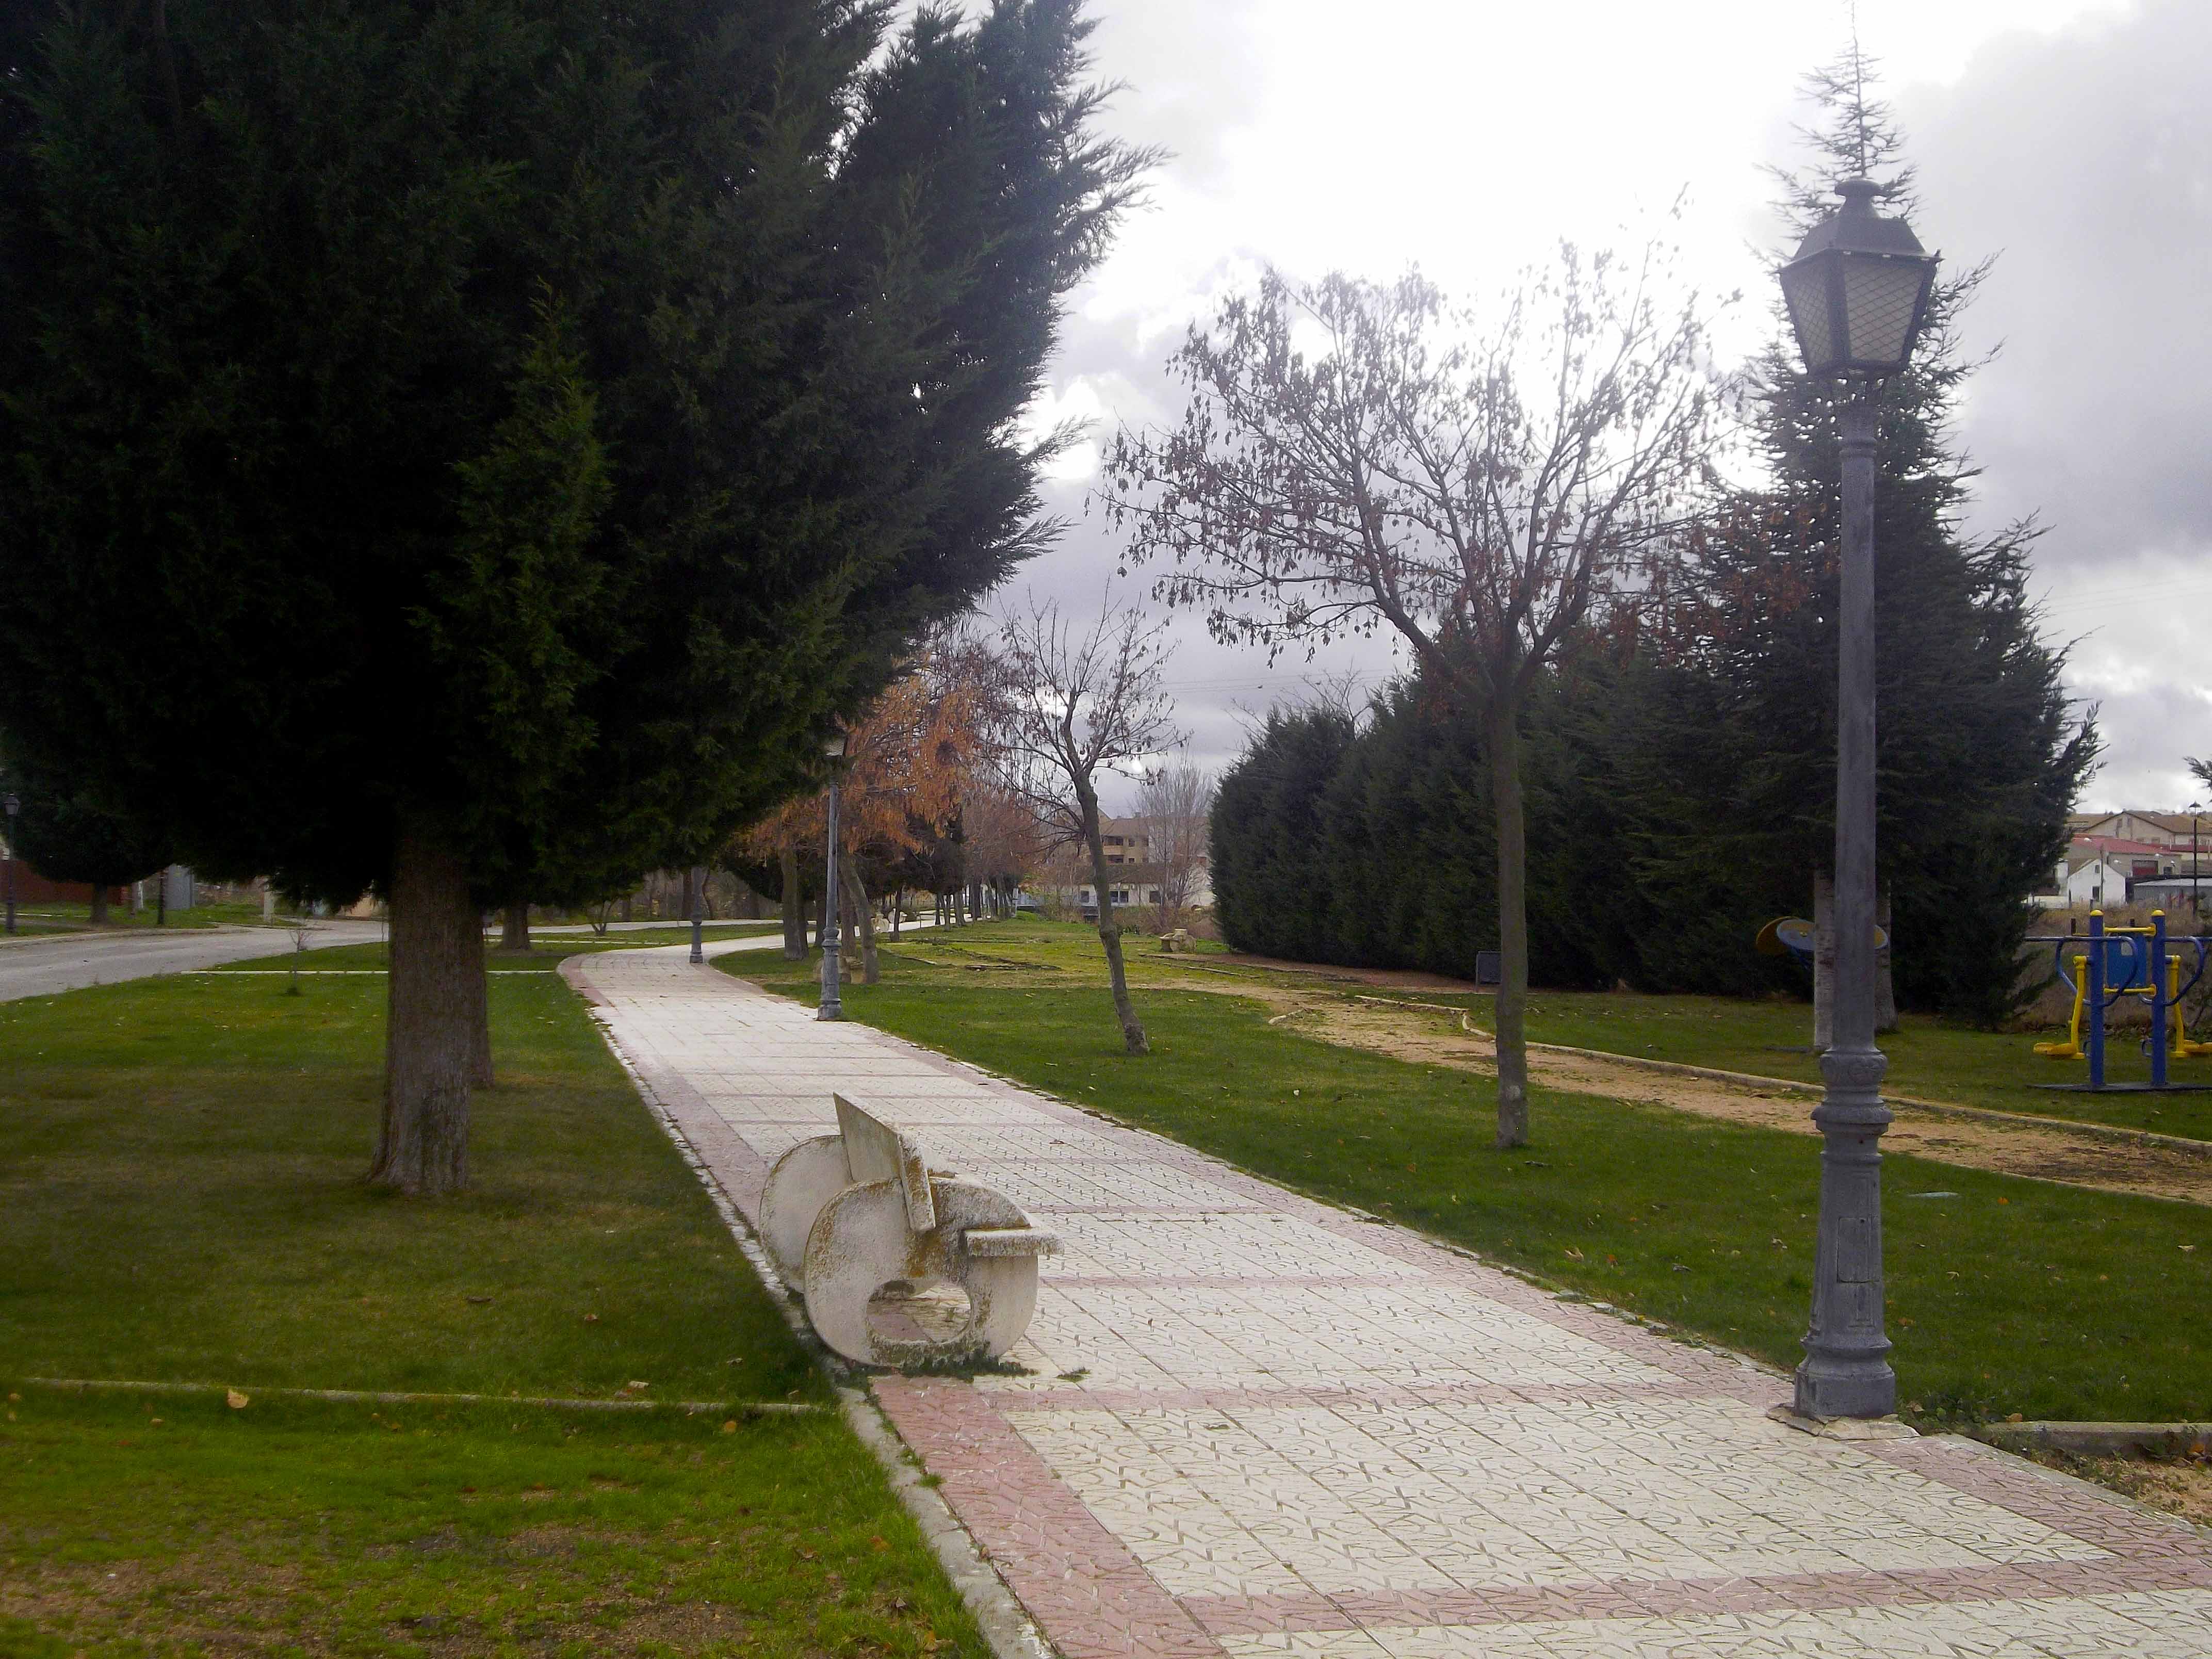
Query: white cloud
[[1470, 137]]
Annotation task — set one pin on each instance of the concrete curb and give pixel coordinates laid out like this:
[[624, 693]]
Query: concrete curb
[[367, 1397], [1009, 1630], [2161, 1440]]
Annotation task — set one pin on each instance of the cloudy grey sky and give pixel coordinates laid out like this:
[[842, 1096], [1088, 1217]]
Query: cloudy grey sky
[[2071, 137]]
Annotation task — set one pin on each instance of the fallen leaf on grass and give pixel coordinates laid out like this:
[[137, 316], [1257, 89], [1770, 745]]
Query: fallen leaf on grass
[[235, 1400], [1573, 1255]]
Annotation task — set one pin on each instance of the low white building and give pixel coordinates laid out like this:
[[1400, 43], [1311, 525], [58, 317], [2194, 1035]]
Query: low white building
[[2087, 880]]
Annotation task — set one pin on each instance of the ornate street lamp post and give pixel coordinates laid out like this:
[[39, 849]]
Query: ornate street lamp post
[[1858, 291], [2195, 898], [832, 938], [13, 806], [698, 912]]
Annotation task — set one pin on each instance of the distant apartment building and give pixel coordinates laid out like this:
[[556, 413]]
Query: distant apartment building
[[1127, 843]]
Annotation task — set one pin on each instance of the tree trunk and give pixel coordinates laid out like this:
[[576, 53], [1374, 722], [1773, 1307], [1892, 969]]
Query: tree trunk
[[161, 899], [432, 994], [1884, 986], [480, 1074], [852, 900], [864, 925], [1824, 961], [898, 909], [1512, 1009], [1109, 931], [99, 905], [794, 907], [515, 931]]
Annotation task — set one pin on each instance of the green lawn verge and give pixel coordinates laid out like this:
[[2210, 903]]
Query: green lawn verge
[[181, 1199], [546, 952], [1928, 1059], [2011, 1296], [76, 918], [131, 1527]]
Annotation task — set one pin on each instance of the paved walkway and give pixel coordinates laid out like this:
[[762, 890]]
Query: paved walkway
[[1253, 1425]]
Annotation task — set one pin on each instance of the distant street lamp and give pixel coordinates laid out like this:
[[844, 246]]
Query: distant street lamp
[[2196, 902], [698, 912], [1858, 293], [13, 806], [833, 1006]]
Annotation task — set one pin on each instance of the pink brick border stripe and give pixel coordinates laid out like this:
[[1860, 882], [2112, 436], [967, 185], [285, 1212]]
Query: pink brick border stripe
[[1617, 1598], [1079, 1581]]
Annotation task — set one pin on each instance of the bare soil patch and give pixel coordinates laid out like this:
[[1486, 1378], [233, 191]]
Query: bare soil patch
[[1393, 979], [1437, 1037], [2183, 1487]]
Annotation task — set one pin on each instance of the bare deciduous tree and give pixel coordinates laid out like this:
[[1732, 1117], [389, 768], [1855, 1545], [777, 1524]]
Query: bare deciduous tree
[[1357, 457], [907, 760], [1066, 707], [1177, 814], [1000, 838]]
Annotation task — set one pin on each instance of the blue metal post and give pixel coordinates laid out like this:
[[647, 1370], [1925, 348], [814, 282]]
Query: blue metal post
[[2093, 999]]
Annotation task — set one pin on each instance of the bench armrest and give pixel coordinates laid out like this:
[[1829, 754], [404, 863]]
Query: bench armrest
[[1008, 1240]]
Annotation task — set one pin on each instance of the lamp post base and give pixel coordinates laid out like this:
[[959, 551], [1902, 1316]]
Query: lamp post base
[[1829, 1389], [1845, 1371]]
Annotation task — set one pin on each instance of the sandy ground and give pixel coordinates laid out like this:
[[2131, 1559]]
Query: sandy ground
[[2182, 1488], [1435, 1037]]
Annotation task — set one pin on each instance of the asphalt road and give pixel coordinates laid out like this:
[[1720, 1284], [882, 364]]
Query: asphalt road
[[41, 966], [44, 965]]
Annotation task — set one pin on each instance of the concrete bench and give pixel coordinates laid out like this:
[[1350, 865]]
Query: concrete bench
[[848, 1215]]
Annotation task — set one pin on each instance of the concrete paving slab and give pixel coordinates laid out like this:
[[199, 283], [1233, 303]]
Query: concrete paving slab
[[1252, 1425]]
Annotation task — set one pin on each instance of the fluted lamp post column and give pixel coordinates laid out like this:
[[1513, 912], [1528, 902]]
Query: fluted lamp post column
[[833, 1006], [13, 806], [1858, 292], [698, 912]]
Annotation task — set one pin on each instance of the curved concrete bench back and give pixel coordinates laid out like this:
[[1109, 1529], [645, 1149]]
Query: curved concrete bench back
[[846, 1215]]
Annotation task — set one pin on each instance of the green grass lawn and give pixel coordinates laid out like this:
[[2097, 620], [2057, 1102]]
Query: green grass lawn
[[547, 951], [1928, 1060], [58, 917], [2011, 1296], [181, 1198]]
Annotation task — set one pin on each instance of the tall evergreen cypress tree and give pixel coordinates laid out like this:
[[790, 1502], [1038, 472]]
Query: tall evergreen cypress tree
[[1726, 768], [472, 447]]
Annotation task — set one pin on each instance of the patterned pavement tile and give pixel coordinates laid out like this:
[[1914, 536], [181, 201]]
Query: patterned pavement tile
[[1248, 1424]]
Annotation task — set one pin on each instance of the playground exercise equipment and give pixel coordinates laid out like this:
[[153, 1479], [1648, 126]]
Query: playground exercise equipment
[[1796, 936], [2122, 962]]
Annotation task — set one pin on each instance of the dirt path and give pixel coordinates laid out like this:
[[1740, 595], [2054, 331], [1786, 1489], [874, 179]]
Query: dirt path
[[1435, 1037]]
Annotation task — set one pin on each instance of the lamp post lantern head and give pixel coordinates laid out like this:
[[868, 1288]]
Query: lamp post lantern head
[[12, 805], [1857, 290]]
